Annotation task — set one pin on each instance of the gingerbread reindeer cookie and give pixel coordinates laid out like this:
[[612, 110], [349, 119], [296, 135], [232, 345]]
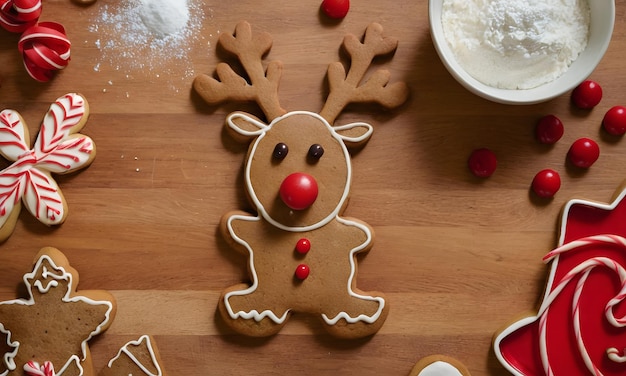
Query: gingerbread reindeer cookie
[[301, 249], [59, 149], [48, 333]]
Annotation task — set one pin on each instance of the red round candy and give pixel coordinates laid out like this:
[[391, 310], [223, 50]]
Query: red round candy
[[303, 246], [587, 95], [546, 183], [614, 121], [302, 271], [298, 191], [482, 162], [336, 8], [583, 152], [549, 129]]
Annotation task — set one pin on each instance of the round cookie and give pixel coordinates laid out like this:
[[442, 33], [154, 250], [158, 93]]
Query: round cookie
[[439, 365]]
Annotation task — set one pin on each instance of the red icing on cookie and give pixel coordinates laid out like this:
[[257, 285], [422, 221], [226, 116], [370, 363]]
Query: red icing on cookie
[[580, 327]]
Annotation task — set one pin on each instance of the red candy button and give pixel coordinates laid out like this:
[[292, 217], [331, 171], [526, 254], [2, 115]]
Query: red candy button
[[614, 121], [482, 162], [583, 152], [587, 95], [549, 129], [546, 183], [302, 271], [303, 246], [45, 49], [336, 8], [298, 191]]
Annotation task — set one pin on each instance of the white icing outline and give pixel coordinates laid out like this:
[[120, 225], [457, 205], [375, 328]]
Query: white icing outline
[[9, 357], [258, 316], [134, 359], [259, 134]]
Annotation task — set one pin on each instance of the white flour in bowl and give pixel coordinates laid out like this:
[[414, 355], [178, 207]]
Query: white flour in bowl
[[516, 44]]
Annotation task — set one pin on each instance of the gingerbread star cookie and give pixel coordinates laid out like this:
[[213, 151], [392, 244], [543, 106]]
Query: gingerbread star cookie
[[50, 329]]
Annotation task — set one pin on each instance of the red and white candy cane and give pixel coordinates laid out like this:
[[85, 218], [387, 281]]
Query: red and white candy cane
[[582, 271], [18, 15], [45, 49], [33, 368]]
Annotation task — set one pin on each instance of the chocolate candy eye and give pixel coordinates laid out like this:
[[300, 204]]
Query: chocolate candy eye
[[316, 151], [280, 151]]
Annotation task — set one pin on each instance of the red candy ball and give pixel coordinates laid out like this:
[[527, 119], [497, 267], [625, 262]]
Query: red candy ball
[[482, 162], [298, 191], [302, 271], [549, 129], [336, 8], [546, 183], [587, 95], [584, 152], [303, 246], [614, 121]]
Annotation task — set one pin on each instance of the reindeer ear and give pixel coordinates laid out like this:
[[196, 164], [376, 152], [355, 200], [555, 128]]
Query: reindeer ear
[[244, 126], [354, 134]]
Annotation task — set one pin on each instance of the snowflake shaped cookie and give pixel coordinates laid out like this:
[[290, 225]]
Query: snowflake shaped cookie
[[59, 149]]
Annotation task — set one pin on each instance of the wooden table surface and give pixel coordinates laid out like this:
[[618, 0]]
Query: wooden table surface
[[457, 256]]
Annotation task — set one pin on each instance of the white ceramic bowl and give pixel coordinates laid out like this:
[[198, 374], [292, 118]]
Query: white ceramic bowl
[[601, 29]]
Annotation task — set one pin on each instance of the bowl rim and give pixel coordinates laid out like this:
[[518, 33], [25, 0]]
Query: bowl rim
[[580, 69]]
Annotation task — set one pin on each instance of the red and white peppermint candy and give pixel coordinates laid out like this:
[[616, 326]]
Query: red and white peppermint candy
[[18, 15], [33, 368], [45, 49]]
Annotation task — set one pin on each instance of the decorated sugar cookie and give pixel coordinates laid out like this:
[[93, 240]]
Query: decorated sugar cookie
[[439, 365], [59, 149], [48, 332], [580, 326], [301, 249], [140, 357]]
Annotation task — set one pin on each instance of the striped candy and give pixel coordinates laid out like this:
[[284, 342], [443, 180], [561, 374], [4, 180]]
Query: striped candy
[[18, 15], [45, 49]]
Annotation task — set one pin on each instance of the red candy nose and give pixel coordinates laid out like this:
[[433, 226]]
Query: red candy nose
[[298, 191]]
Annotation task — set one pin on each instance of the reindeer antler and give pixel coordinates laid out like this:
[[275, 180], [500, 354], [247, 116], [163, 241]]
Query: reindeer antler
[[263, 86], [345, 89]]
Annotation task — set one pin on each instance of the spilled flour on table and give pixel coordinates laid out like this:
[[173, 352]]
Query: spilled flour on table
[[150, 37]]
